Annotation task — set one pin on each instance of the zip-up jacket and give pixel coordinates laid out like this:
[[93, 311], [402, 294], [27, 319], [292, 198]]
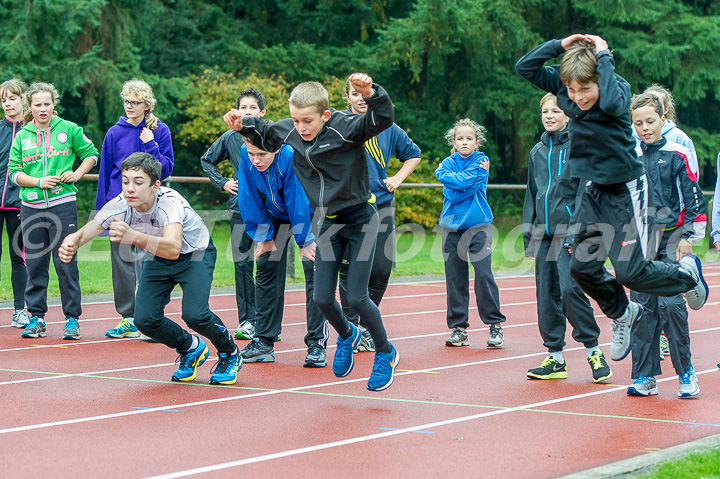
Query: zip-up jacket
[[277, 192], [601, 145], [671, 132], [9, 191], [49, 153], [379, 149], [227, 147], [677, 198], [464, 191], [716, 207], [122, 140], [332, 168], [552, 194]]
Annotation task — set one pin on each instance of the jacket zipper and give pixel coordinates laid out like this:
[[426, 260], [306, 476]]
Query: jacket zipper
[[321, 198], [547, 191], [44, 156], [7, 173], [272, 193]]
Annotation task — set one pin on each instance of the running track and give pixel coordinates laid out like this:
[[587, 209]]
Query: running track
[[107, 408]]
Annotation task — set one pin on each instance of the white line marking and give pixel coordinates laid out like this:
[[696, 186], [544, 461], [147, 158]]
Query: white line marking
[[381, 435]]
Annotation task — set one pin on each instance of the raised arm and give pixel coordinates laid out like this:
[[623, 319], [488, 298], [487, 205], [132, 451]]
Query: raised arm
[[614, 90], [532, 66]]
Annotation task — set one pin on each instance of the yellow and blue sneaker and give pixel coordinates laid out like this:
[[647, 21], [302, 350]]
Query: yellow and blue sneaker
[[124, 329], [225, 371], [190, 361]]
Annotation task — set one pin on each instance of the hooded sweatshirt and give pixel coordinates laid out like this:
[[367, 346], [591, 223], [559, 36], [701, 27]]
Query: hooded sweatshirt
[[9, 191], [49, 153], [465, 191], [122, 140]]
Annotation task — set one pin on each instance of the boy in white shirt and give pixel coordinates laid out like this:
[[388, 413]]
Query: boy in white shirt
[[180, 251]]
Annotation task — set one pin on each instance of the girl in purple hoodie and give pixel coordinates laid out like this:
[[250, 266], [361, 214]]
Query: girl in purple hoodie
[[139, 131]]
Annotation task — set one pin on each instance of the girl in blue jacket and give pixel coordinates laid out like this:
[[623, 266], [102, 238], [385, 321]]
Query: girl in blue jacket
[[465, 221], [139, 131]]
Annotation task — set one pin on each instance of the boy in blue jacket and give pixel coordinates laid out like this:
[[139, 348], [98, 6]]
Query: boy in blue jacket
[[274, 207], [250, 102], [613, 213], [465, 219]]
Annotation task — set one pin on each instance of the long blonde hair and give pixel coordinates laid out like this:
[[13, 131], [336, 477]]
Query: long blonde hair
[[145, 94], [38, 87]]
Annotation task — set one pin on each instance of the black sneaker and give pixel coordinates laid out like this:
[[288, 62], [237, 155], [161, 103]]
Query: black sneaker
[[549, 369], [600, 369], [496, 338], [258, 352], [316, 357]]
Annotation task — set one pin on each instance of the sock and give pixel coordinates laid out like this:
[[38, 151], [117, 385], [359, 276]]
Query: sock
[[557, 356], [195, 343], [590, 351], [131, 320], [624, 316]]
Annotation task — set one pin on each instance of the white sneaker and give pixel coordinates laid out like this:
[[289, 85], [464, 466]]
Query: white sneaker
[[697, 296], [643, 386], [20, 318], [622, 332], [689, 387]]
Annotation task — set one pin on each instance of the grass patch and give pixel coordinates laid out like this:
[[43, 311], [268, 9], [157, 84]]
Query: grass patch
[[695, 466], [418, 253]]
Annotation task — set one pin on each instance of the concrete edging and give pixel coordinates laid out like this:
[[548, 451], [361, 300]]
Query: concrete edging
[[647, 462]]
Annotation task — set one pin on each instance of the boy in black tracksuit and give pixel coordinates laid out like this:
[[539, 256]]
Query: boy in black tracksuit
[[680, 221], [551, 198], [330, 163], [613, 213]]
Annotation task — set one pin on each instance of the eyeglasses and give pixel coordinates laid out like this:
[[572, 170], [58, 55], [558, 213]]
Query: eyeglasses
[[133, 104]]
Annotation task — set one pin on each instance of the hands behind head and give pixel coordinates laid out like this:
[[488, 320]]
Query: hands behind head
[[362, 84], [599, 43]]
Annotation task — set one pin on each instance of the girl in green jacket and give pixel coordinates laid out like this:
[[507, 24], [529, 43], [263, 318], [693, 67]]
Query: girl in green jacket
[[42, 159]]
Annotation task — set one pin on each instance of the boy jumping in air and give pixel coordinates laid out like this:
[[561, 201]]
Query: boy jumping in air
[[613, 213], [330, 163]]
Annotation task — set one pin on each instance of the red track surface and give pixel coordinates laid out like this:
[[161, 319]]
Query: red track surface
[[107, 408]]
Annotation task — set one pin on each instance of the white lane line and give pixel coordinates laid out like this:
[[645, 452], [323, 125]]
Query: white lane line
[[72, 375], [381, 435], [299, 388]]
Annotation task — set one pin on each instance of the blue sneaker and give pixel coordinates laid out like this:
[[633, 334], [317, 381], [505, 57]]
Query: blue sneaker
[[190, 361], [35, 328], [71, 329], [124, 329], [344, 362], [643, 386], [383, 371], [697, 296], [225, 371]]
